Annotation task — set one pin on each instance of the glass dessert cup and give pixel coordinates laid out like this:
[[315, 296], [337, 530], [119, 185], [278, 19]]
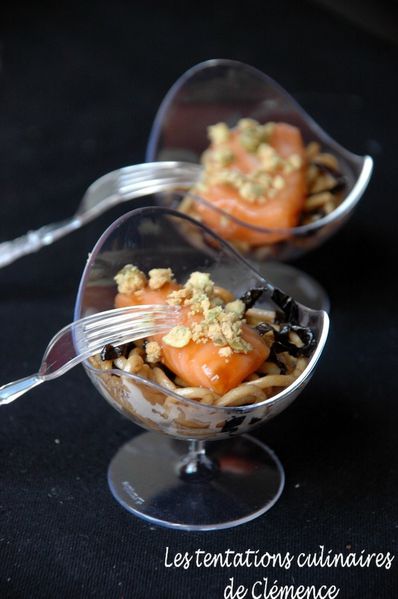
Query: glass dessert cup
[[226, 91], [197, 469]]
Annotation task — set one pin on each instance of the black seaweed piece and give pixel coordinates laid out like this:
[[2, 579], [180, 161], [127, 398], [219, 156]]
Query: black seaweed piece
[[112, 352], [169, 373], [285, 303], [126, 348], [273, 357], [251, 296], [109, 352], [282, 342], [264, 327], [232, 424]]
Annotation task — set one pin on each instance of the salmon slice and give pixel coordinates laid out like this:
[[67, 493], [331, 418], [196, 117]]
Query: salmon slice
[[199, 364], [282, 211]]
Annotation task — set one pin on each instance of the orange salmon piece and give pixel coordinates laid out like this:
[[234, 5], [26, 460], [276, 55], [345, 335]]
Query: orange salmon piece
[[278, 212], [200, 364]]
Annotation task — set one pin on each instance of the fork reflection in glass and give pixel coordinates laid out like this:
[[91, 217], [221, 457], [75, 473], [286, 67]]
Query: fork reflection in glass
[[85, 337]]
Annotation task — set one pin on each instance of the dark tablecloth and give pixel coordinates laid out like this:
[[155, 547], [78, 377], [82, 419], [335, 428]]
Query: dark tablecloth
[[79, 88]]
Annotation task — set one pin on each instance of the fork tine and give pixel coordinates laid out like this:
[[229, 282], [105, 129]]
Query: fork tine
[[134, 320], [89, 350], [127, 327], [119, 338], [155, 167], [129, 311], [144, 183], [143, 172], [129, 315], [156, 172]]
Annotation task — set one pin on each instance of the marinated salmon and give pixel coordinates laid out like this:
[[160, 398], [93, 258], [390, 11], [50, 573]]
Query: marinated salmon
[[200, 363], [262, 185]]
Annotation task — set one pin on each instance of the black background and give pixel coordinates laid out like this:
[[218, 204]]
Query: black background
[[78, 91]]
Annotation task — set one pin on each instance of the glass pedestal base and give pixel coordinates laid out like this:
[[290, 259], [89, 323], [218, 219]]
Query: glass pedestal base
[[237, 480], [296, 283]]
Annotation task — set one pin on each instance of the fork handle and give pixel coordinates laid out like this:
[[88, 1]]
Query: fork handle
[[13, 390], [35, 240]]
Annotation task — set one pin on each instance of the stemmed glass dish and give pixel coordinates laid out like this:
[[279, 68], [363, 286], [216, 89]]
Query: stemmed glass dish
[[226, 91], [169, 475]]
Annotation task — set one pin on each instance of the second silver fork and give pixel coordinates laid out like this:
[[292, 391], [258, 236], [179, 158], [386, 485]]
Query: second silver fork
[[113, 188]]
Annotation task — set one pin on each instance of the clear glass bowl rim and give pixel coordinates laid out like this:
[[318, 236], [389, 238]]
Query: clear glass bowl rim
[[346, 206], [222, 409]]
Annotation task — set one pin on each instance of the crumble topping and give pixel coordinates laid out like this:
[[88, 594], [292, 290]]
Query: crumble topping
[[200, 282], [159, 277], [237, 306], [223, 156], [178, 336], [221, 323], [218, 133], [225, 352], [259, 185], [153, 352], [217, 316], [130, 279]]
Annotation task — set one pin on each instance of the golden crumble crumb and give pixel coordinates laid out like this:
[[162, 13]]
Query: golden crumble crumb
[[295, 161], [218, 133], [130, 279], [251, 190], [159, 277], [153, 352], [225, 352], [269, 157], [236, 306], [178, 336], [278, 182], [223, 156], [177, 297], [247, 124], [200, 281]]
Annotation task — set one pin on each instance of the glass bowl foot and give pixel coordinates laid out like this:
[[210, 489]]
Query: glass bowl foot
[[296, 283], [242, 479]]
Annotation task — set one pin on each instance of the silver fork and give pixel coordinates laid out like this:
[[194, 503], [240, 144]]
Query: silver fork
[[85, 337], [113, 188]]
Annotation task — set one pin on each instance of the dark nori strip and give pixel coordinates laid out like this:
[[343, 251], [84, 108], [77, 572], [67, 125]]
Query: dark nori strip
[[109, 352], [273, 357], [112, 352], [288, 323], [282, 342], [172, 375], [287, 304], [250, 297], [232, 424], [126, 348], [264, 327]]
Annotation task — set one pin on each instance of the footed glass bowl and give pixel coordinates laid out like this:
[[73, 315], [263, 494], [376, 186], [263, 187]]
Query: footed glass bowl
[[170, 476], [227, 90]]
